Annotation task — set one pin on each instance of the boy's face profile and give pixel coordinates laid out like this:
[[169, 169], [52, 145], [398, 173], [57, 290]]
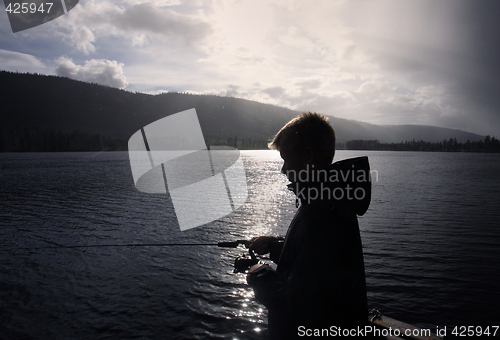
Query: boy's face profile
[[295, 160]]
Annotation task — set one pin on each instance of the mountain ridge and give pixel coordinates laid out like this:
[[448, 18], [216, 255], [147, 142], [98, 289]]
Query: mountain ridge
[[31, 101]]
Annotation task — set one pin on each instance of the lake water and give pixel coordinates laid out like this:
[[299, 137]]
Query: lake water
[[431, 241]]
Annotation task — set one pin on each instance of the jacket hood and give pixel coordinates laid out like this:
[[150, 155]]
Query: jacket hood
[[344, 182]]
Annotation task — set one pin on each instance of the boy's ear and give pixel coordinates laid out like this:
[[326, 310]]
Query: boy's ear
[[310, 155]]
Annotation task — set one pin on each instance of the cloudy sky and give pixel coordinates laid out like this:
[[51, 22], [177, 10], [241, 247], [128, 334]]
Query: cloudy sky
[[382, 62]]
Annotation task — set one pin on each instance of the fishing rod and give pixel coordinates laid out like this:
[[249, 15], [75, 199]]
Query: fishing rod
[[241, 263], [227, 244]]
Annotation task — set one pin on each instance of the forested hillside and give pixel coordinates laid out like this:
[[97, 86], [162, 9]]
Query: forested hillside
[[48, 113]]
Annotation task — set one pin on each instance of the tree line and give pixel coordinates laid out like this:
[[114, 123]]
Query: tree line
[[25, 140], [489, 144], [240, 144]]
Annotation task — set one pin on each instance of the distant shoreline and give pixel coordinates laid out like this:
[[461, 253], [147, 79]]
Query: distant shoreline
[[58, 141], [488, 145]]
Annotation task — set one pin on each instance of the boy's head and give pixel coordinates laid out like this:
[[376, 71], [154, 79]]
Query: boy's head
[[306, 139]]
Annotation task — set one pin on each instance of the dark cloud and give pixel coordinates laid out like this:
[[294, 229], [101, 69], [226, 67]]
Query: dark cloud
[[15, 61], [448, 46], [481, 88], [233, 91], [142, 23], [147, 18], [275, 92]]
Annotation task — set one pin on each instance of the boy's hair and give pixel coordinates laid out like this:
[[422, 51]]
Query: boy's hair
[[307, 129]]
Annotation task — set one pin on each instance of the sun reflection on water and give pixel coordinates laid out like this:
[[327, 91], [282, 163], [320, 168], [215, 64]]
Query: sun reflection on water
[[268, 211], [269, 203]]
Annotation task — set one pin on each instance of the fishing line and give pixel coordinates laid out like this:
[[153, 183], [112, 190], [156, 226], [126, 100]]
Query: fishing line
[[229, 244]]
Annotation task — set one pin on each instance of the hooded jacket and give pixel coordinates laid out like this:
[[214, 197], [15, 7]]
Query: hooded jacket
[[320, 278]]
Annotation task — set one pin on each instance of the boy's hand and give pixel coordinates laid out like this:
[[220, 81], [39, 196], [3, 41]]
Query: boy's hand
[[262, 244]]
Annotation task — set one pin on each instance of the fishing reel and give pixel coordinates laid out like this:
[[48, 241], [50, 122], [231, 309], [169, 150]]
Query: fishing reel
[[244, 262]]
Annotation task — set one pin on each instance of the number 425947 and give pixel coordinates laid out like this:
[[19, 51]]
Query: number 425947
[[26, 7], [475, 331]]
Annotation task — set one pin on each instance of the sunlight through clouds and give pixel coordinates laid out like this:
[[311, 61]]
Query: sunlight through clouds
[[381, 61]]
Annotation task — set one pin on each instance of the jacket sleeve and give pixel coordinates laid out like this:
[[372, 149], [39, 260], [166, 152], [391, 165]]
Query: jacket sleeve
[[275, 254]]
